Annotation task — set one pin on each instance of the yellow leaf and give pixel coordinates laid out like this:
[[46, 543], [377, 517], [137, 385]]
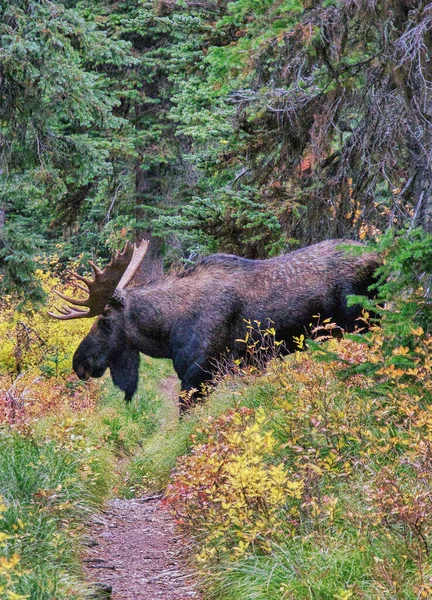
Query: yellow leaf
[[419, 331], [9, 564], [401, 350], [344, 595]]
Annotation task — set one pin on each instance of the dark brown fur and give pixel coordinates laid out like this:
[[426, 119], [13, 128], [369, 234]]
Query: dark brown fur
[[194, 317]]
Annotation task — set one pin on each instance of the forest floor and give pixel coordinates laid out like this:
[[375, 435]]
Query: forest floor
[[135, 551]]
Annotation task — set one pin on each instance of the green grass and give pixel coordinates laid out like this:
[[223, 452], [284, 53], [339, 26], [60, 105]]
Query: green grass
[[130, 424], [152, 465], [298, 569], [47, 504], [337, 567]]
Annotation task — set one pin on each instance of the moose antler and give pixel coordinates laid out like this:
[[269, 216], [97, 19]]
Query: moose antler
[[116, 276]]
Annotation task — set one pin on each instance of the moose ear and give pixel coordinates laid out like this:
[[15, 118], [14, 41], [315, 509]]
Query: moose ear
[[124, 366]]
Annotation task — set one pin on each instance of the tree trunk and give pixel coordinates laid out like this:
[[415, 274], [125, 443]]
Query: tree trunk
[[425, 213], [152, 265], [2, 224]]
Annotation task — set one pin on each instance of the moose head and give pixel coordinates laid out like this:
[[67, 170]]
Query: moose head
[[105, 346]]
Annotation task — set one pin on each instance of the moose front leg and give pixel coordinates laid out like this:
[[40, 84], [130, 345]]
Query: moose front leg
[[194, 387]]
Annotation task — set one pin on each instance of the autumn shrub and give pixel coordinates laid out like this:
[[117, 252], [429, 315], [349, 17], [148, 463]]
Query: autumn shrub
[[357, 450], [31, 338], [228, 490], [260, 345]]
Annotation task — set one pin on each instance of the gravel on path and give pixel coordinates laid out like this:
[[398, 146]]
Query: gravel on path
[[136, 550]]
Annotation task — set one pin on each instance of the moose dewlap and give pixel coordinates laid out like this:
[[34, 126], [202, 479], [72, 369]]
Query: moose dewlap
[[197, 316]]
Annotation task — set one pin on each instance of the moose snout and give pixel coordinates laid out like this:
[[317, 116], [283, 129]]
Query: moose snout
[[84, 370], [89, 366]]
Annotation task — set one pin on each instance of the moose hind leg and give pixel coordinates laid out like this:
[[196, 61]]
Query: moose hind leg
[[351, 316]]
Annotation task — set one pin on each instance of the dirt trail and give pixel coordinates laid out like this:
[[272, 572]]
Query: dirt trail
[[170, 388], [139, 554], [135, 549]]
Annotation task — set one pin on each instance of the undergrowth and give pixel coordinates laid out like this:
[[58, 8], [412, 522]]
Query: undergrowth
[[55, 471], [319, 487]]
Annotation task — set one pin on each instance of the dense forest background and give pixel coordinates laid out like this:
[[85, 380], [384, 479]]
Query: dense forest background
[[250, 127]]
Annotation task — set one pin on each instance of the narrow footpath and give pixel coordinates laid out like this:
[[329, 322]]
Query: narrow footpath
[[135, 552], [139, 555]]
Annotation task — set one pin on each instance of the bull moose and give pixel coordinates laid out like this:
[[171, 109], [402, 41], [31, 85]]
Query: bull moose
[[195, 316]]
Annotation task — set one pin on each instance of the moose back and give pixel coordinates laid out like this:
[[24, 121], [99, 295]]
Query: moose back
[[196, 316]]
